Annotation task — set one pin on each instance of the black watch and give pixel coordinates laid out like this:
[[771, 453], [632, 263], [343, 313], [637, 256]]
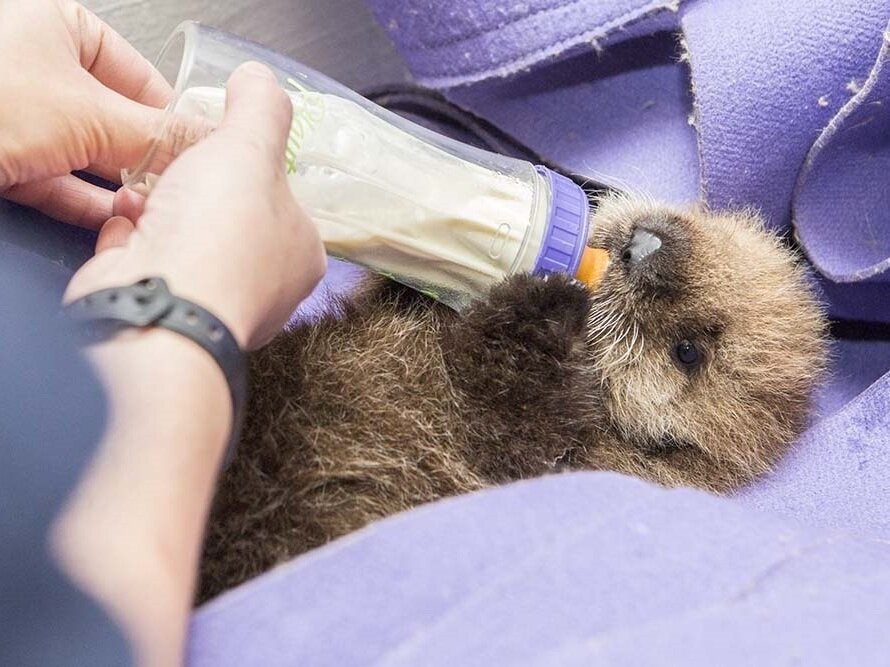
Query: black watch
[[149, 303]]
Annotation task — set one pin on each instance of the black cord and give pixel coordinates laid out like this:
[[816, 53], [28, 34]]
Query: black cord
[[839, 327], [859, 330]]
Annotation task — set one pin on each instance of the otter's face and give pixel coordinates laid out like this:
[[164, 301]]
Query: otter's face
[[706, 340]]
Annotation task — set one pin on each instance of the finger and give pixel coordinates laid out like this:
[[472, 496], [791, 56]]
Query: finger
[[114, 233], [129, 204], [180, 133], [132, 136], [66, 198], [122, 132], [257, 109], [114, 61]]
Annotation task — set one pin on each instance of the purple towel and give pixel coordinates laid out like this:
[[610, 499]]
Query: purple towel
[[846, 177]]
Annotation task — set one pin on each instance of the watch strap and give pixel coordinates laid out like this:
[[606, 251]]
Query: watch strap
[[149, 303]]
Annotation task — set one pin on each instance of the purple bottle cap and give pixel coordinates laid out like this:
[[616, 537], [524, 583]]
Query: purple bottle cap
[[567, 226]]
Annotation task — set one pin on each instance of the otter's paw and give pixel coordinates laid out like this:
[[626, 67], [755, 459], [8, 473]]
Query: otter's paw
[[517, 356], [523, 335], [530, 313]]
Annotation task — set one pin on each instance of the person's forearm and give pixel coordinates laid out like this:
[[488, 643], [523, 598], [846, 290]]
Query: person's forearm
[[131, 533]]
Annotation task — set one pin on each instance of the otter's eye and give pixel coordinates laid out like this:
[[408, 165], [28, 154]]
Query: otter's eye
[[687, 353]]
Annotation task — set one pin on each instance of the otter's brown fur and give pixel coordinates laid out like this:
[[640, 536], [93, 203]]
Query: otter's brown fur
[[396, 400]]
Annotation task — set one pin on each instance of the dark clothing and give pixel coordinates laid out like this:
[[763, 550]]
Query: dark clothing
[[52, 412]]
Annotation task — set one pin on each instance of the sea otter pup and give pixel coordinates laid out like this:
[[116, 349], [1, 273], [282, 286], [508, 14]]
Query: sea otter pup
[[692, 363]]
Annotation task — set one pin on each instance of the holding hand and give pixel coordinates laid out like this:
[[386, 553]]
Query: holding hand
[[76, 96], [221, 225]]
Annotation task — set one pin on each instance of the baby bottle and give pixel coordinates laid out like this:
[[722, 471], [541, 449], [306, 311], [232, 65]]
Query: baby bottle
[[445, 218]]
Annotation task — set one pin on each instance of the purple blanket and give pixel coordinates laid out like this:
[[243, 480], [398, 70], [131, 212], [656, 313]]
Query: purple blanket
[[780, 105], [590, 568]]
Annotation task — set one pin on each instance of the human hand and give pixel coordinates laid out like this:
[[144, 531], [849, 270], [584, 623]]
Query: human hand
[[221, 225], [76, 96]]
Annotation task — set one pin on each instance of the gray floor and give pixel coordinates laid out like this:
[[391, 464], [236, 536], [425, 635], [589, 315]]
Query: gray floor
[[337, 37]]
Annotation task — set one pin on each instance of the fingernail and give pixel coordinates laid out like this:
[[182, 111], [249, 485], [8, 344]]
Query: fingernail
[[254, 68]]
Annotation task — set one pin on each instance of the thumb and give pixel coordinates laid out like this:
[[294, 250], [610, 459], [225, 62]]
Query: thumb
[[258, 110]]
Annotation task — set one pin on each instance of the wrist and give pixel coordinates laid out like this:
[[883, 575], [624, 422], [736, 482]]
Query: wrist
[[152, 370], [197, 289], [217, 298], [148, 303]]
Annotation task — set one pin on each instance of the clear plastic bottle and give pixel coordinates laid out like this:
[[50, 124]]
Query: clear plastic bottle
[[440, 216]]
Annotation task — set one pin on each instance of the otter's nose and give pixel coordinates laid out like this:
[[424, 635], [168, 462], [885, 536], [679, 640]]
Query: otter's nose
[[642, 244]]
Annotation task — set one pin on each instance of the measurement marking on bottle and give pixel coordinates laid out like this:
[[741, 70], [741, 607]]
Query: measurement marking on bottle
[[499, 240]]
